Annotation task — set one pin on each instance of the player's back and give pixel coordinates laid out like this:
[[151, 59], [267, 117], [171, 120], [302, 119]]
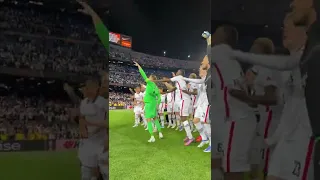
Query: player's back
[[95, 110], [227, 74]]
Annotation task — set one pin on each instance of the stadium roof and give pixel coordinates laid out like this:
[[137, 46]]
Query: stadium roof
[[257, 12]]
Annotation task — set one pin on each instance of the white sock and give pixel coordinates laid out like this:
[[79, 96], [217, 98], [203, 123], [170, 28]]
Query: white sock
[[201, 130], [144, 120], [217, 174], [178, 120], [170, 119], [207, 128], [162, 120], [136, 119], [187, 129]]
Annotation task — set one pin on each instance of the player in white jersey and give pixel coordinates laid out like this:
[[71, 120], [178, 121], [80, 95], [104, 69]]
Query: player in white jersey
[[267, 94], [137, 106], [183, 101], [193, 92], [201, 116], [170, 109], [93, 125], [162, 106], [293, 155], [238, 115], [143, 88]]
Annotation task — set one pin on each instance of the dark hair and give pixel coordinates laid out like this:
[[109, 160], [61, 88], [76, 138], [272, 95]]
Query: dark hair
[[231, 35], [182, 72]]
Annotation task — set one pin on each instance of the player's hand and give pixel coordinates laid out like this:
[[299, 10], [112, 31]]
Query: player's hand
[[86, 8], [83, 131], [136, 64], [189, 86], [173, 74], [206, 34]]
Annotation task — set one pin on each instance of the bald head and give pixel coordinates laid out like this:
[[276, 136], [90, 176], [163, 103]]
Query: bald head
[[263, 46]]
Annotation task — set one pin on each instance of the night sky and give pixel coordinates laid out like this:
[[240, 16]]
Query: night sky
[[173, 26]]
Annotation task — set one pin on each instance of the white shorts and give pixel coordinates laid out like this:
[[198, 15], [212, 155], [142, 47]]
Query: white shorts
[[161, 108], [260, 152], [202, 112], [170, 107], [137, 110], [89, 153], [238, 143], [293, 159], [182, 107], [218, 129], [293, 155]]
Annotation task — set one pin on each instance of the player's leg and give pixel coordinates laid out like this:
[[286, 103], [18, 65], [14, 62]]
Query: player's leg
[[136, 119], [237, 147], [89, 161], [191, 117], [257, 151], [161, 114], [200, 127], [157, 123], [218, 128], [177, 114], [184, 114]]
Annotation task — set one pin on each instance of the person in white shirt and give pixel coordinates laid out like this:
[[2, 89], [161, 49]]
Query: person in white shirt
[[193, 92], [182, 102], [137, 109], [93, 129], [170, 109], [232, 120], [201, 116], [162, 106], [266, 94]]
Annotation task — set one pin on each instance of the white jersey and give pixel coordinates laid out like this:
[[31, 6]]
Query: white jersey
[[139, 99], [170, 97], [202, 98], [227, 75], [180, 84], [95, 111], [163, 98], [266, 77], [193, 86]]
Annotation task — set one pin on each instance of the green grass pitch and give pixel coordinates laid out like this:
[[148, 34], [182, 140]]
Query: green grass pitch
[[133, 158]]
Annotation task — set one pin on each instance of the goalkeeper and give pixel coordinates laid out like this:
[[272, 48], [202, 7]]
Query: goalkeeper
[[151, 100]]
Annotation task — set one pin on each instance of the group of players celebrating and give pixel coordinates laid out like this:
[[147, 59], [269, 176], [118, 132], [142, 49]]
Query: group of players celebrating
[[187, 105], [276, 140]]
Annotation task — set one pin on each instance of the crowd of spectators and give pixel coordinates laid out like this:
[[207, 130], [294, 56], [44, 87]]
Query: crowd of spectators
[[62, 42], [36, 118], [120, 99]]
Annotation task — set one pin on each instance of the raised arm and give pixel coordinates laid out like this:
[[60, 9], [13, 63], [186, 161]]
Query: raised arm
[[282, 63], [143, 74], [101, 29], [197, 81]]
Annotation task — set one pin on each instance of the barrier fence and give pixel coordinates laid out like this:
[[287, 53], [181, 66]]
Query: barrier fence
[[38, 145]]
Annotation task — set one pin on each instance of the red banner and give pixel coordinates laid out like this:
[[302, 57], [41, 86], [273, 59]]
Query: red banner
[[66, 144]]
